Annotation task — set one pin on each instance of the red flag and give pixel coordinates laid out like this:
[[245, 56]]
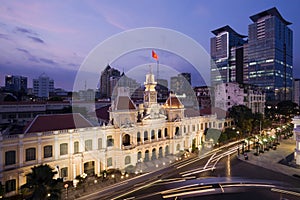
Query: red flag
[[154, 55]]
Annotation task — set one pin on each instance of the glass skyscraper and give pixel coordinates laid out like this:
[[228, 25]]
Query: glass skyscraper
[[270, 55], [227, 56]]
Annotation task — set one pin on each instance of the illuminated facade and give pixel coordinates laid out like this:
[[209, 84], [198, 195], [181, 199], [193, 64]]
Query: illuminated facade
[[227, 56], [270, 55], [73, 146]]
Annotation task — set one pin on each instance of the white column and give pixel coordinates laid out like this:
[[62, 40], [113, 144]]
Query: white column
[[21, 153], [56, 147], [74, 170], [39, 150]]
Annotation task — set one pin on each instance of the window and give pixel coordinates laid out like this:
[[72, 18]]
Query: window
[[166, 132], [110, 141], [30, 154], [48, 151], [88, 145], [109, 162], [138, 137], [10, 157], [10, 185], [178, 147], [201, 125], [193, 128], [159, 133], [99, 143], [64, 172], [145, 135], [152, 135], [127, 160], [76, 147], [63, 149]]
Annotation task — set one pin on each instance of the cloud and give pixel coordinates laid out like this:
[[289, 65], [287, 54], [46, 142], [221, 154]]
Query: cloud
[[4, 36], [36, 39], [25, 30], [23, 50], [48, 61], [30, 57]]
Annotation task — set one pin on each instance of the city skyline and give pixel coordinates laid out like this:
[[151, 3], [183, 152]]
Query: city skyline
[[56, 37]]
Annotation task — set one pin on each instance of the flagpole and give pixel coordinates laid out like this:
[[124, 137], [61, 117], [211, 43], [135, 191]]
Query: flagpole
[[157, 68]]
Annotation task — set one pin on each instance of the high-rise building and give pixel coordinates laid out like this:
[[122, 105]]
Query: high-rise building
[[270, 55], [227, 55], [181, 83], [42, 86], [296, 91], [16, 83], [108, 76]]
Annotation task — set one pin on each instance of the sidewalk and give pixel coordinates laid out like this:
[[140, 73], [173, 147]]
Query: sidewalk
[[270, 159]]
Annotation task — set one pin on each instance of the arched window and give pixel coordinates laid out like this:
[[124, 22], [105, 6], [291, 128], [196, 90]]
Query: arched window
[[139, 156], [76, 147], [127, 160], [177, 131], [152, 134], [159, 133], [145, 135], [166, 132], [126, 140], [146, 155], [167, 150], [138, 137], [160, 152], [110, 141], [153, 157], [178, 147]]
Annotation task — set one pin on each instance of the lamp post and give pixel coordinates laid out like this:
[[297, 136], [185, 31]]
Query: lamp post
[[66, 186]]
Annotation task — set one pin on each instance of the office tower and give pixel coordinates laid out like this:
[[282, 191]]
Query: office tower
[[16, 83], [227, 55], [296, 91], [181, 83], [42, 86], [270, 55], [108, 76]]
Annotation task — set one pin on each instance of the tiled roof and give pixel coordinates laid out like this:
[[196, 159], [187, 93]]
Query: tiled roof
[[102, 113], [124, 103], [173, 102], [44, 123]]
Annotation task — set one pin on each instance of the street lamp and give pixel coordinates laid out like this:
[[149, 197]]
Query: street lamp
[[66, 186]]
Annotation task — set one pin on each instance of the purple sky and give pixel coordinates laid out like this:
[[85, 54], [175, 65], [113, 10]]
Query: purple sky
[[55, 36]]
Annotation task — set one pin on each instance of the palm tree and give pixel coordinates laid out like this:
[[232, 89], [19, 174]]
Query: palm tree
[[40, 183]]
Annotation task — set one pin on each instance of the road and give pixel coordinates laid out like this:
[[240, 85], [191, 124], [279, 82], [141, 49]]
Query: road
[[215, 172]]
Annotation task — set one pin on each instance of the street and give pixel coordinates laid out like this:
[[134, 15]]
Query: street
[[217, 172]]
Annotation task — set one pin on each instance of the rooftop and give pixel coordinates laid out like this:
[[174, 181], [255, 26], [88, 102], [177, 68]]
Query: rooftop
[[227, 28], [273, 12], [45, 123]]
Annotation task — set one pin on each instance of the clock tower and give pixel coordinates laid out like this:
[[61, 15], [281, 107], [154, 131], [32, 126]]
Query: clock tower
[[150, 94]]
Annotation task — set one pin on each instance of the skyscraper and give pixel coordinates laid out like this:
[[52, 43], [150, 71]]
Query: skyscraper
[[296, 91], [42, 86], [270, 55], [16, 83], [227, 55], [107, 76]]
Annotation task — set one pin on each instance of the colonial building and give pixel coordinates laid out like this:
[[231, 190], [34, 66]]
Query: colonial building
[[73, 146], [233, 94]]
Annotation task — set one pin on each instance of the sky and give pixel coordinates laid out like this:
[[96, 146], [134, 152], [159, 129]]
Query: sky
[[55, 37]]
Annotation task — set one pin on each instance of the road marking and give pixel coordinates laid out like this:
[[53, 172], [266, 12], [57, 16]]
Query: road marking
[[134, 190], [285, 192], [189, 192]]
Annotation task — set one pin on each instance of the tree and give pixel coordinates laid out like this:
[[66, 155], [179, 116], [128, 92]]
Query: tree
[[242, 117], [40, 183]]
